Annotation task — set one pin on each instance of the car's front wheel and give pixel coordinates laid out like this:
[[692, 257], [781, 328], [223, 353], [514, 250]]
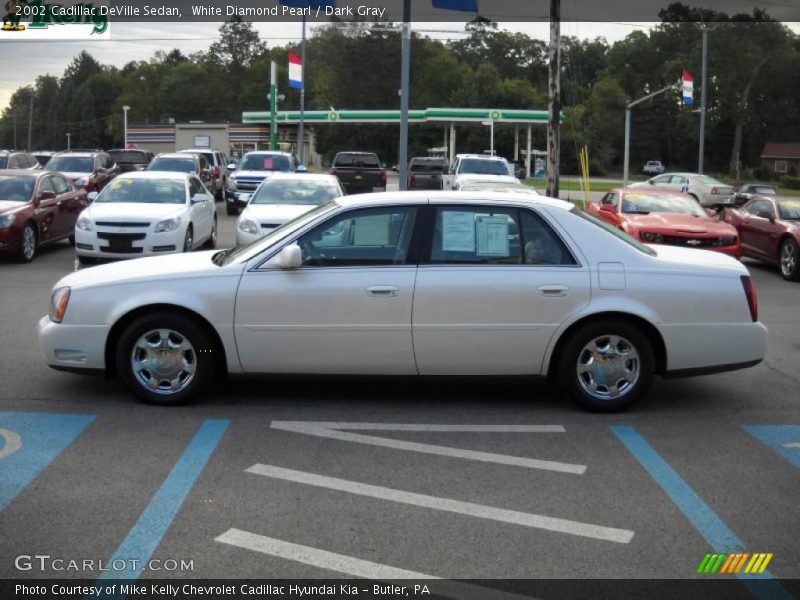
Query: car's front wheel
[[27, 243], [165, 359], [188, 241], [790, 260], [606, 366]]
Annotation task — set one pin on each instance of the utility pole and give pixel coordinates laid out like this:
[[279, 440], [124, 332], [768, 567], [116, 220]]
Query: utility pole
[[554, 99], [405, 65], [14, 113], [273, 105], [69, 145], [301, 151], [704, 78], [30, 121]]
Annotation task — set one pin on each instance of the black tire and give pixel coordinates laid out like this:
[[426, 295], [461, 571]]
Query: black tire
[[86, 260], [219, 195], [202, 357], [789, 260], [188, 240], [212, 241], [230, 209], [28, 243], [574, 350], [71, 240]]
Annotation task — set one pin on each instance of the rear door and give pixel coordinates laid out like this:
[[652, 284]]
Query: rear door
[[492, 287], [49, 212], [202, 212]]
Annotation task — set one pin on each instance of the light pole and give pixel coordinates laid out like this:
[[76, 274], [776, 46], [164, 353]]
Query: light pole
[[273, 104], [405, 67], [125, 110], [68, 142]]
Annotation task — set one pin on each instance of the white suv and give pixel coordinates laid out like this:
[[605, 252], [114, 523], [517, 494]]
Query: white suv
[[219, 170], [654, 167], [477, 167]]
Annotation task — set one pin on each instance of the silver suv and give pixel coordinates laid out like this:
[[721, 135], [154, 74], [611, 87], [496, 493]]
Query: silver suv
[[219, 170]]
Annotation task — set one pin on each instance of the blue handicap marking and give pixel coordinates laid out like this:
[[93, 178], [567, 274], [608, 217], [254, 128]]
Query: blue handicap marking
[[30, 441], [783, 439]]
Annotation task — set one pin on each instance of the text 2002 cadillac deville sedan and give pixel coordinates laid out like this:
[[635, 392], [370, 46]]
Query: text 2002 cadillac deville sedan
[[440, 283]]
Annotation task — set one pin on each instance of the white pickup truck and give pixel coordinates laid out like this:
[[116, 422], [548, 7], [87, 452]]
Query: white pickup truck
[[654, 167], [469, 165]]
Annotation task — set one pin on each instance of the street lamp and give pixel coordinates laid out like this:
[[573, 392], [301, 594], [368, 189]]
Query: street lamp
[[125, 110]]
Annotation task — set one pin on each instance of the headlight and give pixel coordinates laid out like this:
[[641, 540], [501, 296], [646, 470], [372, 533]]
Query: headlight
[[232, 181], [6, 221], [168, 225], [654, 238], [248, 226], [728, 240], [58, 304], [84, 224], [82, 181]]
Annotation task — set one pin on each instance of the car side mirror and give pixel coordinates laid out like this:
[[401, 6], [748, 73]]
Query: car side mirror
[[46, 195], [92, 196], [291, 257], [766, 215], [198, 197], [231, 166]]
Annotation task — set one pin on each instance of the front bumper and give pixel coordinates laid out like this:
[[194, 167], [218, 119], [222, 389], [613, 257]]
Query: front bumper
[[73, 347], [9, 240], [88, 244]]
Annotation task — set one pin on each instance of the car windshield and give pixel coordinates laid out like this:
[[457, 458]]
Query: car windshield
[[265, 162], [426, 166], [3, 162], [127, 157], [288, 191], [146, 191], [710, 180], [790, 209], [617, 233], [248, 251], [182, 165], [764, 189], [71, 164], [16, 189], [483, 167], [643, 204]]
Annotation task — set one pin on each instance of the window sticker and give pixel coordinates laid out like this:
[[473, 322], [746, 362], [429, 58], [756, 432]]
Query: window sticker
[[371, 231], [458, 231], [267, 163], [493, 235]]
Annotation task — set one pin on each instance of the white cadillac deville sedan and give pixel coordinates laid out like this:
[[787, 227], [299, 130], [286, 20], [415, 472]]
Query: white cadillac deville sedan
[[442, 283]]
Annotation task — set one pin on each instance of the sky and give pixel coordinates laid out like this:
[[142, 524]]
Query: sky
[[139, 41]]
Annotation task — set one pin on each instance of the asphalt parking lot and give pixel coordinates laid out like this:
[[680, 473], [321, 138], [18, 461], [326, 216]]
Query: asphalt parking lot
[[448, 478]]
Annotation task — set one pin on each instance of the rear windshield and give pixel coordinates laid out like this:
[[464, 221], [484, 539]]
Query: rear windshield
[[265, 162], [369, 161], [71, 164], [426, 166], [128, 156], [483, 167], [183, 165]]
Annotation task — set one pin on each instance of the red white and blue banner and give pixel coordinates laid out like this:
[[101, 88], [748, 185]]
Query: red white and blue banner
[[687, 88], [295, 71]]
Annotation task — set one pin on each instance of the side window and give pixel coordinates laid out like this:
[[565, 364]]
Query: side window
[[60, 184], [610, 198], [366, 237], [195, 186], [541, 244], [476, 235], [46, 185], [758, 206], [662, 179], [13, 162]]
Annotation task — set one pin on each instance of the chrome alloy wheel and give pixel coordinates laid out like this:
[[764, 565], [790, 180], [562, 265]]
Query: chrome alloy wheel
[[788, 259], [28, 242], [163, 361], [608, 367]]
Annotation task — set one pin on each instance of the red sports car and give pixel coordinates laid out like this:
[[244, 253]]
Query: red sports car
[[769, 227], [36, 208], [664, 217]]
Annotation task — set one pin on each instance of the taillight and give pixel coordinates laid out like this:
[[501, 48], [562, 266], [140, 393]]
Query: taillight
[[413, 182], [216, 172], [333, 172], [383, 179], [750, 293]]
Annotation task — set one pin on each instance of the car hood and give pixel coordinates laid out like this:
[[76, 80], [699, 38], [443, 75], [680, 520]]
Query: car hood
[[489, 178], [133, 210], [678, 223], [7, 206], [278, 213], [695, 260], [157, 268]]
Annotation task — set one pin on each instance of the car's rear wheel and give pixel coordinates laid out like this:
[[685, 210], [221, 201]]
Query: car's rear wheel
[[606, 366], [790, 260], [27, 243], [211, 242], [165, 359]]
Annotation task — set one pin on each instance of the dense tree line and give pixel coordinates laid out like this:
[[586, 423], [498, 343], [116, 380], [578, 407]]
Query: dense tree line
[[754, 77]]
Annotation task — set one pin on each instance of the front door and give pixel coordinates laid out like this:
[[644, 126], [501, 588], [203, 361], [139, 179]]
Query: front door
[[347, 309], [491, 290]]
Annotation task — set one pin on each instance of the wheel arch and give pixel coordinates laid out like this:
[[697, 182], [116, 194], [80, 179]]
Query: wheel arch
[[126, 319], [650, 331]]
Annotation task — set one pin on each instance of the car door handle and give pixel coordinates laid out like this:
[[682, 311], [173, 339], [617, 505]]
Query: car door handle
[[553, 290], [382, 290]]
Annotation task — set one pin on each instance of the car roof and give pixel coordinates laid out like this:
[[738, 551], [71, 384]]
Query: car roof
[[197, 150], [24, 173], [446, 197], [481, 156], [153, 175], [172, 155], [70, 153], [644, 190], [272, 152]]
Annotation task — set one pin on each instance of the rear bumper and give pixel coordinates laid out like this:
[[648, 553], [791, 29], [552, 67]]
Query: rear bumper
[[698, 348]]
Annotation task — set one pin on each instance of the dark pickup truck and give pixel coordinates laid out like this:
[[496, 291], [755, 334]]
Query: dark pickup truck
[[425, 173], [359, 172]]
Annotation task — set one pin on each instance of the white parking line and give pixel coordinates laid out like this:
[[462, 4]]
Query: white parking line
[[11, 444], [333, 430], [792, 445], [354, 567], [578, 528]]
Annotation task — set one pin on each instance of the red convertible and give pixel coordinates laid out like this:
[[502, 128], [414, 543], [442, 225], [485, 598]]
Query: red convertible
[[664, 217], [770, 230], [36, 208]]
